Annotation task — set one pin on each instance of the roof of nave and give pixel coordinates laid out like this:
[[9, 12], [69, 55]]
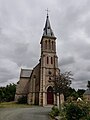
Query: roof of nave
[[25, 73]]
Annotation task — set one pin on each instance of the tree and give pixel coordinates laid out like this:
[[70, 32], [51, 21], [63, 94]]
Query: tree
[[80, 92], [88, 85], [7, 93], [62, 82], [69, 92]]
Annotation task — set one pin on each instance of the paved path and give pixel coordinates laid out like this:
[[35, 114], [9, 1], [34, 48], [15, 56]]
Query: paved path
[[34, 113]]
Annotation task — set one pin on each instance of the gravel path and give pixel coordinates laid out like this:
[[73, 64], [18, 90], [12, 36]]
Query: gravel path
[[34, 113]]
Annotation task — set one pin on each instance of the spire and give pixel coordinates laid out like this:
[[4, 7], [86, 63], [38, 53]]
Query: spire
[[47, 30]]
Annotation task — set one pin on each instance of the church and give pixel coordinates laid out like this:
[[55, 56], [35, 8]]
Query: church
[[37, 84]]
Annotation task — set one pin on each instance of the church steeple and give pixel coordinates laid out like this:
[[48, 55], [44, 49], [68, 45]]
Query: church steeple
[[47, 29], [48, 40]]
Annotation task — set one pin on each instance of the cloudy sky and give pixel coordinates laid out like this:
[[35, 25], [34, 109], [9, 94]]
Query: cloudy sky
[[21, 28]]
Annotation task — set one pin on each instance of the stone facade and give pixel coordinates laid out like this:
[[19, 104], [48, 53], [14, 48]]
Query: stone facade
[[38, 85]]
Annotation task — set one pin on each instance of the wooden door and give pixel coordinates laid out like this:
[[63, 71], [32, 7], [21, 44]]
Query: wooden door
[[50, 95]]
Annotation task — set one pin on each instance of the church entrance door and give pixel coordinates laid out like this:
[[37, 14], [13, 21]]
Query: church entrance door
[[50, 95]]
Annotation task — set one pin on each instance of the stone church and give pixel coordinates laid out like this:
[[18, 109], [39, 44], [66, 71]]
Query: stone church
[[37, 84]]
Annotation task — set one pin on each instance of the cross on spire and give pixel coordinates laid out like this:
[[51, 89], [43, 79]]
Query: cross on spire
[[47, 29], [47, 11]]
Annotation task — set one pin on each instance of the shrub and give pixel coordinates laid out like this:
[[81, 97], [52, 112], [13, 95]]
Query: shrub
[[77, 111], [22, 100], [73, 112], [54, 112]]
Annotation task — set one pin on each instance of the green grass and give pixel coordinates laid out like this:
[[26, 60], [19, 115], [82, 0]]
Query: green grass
[[13, 105]]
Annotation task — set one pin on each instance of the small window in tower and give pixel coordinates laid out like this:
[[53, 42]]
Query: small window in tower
[[49, 78], [51, 60], [45, 44], [49, 45], [47, 60], [49, 72], [51, 33], [52, 46]]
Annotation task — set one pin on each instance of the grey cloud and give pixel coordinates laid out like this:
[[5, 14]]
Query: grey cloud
[[79, 84], [25, 56], [21, 24], [88, 68], [82, 76], [8, 70], [67, 61], [86, 55]]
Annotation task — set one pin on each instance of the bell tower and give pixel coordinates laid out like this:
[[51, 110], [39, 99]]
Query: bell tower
[[48, 46], [49, 64]]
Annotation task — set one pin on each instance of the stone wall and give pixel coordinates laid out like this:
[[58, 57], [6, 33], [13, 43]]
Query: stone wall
[[22, 88], [34, 86]]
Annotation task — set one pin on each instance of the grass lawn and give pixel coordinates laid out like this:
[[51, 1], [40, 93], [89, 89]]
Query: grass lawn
[[13, 105]]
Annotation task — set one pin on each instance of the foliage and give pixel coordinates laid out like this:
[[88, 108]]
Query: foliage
[[7, 93], [54, 112], [76, 111], [22, 100], [72, 110], [63, 82], [80, 92], [88, 85], [69, 92]]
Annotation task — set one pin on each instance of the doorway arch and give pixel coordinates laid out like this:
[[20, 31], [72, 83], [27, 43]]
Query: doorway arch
[[50, 97]]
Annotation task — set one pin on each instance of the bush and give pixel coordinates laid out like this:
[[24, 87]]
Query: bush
[[22, 100], [7, 93], [73, 112], [54, 112], [77, 111]]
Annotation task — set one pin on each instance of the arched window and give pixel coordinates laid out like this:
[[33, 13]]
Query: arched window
[[47, 60], [52, 45], [46, 44], [51, 60], [49, 45]]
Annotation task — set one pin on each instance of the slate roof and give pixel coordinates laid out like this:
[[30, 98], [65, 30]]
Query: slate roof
[[25, 73], [47, 30], [87, 92]]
